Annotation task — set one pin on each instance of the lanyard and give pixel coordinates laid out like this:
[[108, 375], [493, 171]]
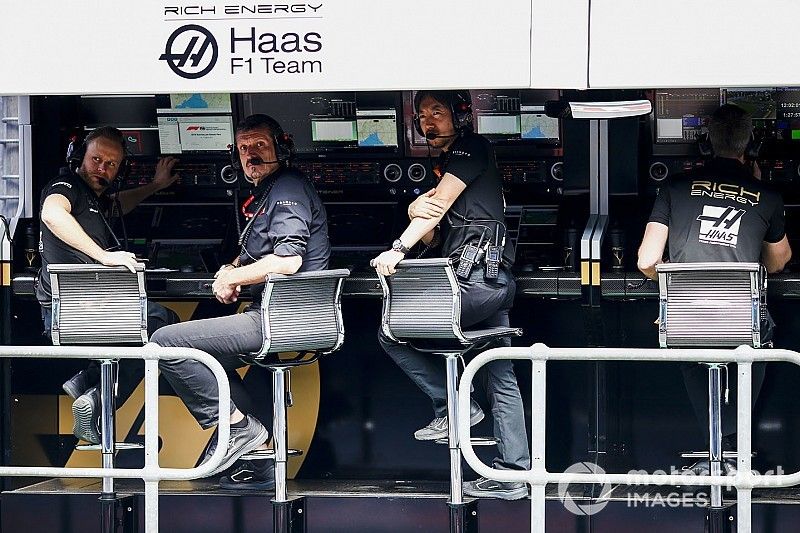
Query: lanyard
[[252, 216]]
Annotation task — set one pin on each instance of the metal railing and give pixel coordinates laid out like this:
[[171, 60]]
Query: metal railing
[[151, 473], [744, 480]]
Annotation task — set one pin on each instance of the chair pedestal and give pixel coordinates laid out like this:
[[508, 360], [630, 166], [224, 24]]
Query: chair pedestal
[[463, 516], [117, 514], [456, 475], [715, 429], [288, 515]]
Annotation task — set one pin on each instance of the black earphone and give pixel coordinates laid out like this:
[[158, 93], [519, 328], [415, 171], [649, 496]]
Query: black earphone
[[284, 144], [460, 108], [75, 154]]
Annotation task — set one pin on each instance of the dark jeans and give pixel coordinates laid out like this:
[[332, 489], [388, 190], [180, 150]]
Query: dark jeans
[[483, 304], [130, 372], [225, 338], [695, 377]]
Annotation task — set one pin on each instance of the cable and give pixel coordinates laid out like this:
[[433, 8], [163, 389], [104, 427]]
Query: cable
[[118, 211]]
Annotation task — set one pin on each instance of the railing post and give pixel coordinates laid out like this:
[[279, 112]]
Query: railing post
[[151, 444], [538, 439], [744, 438]]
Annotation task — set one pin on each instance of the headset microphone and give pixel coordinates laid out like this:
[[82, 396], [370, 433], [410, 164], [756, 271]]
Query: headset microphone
[[431, 136]]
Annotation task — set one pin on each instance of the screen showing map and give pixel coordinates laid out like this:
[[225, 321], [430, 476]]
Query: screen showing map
[[197, 103], [376, 127], [534, 124]]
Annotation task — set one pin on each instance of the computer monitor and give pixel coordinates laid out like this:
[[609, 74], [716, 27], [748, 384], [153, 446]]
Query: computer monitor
[[194, 123], [345, 124], [681, 115]]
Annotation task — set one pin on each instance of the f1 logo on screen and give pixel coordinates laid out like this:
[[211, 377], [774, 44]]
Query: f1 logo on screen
[[200, 62]]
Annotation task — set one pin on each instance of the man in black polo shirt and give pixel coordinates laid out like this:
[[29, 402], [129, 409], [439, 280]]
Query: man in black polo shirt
[[286, 232], [719, 213], [75, 228], [467, 204]]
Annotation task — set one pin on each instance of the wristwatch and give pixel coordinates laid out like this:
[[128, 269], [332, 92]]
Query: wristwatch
[[398, 246]]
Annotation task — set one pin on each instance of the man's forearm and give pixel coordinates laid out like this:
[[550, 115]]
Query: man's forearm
[[419, 229], [64, 226], [256, 272]]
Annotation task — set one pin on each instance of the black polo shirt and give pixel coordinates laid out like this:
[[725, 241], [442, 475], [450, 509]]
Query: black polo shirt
[[479, 211], [719, 213], [292, 221], [89, 211]]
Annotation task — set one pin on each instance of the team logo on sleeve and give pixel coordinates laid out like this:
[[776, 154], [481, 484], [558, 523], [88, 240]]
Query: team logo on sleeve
[[720, 225]]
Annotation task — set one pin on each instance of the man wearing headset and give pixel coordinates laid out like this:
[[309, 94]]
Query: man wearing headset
[[466, 209], [721, 212], [75, 228], [286, 232]]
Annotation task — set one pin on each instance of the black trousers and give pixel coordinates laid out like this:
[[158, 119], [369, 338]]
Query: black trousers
[[695, 378]]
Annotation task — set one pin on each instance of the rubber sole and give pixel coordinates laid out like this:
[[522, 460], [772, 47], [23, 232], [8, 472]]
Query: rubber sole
[[84, 414]]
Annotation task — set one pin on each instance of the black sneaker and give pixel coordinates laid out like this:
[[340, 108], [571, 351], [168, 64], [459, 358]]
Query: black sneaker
[[242, 441], [77, 384], [489, 488], [251, 475], [437, 428], [86, 416]]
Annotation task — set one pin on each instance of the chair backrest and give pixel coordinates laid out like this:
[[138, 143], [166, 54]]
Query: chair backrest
[[422, 300], [96, 304], [711, 304], [302, 313]]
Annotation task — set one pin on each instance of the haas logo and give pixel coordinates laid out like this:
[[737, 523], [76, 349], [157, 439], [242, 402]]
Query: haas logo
[[720, 225], [191, 51]]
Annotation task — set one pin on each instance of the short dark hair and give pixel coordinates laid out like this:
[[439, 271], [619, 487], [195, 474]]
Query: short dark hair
[[257, 122], [730, 129], [446, 98], [109, 133]]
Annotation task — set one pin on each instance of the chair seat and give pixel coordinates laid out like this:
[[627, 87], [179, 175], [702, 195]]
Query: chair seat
[[274, 360], [480, 335]]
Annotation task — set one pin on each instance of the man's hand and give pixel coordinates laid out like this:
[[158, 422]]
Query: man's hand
[[224, 291], [425, 206], [223, 269], [164, 176], [386, 262], [126, 259]]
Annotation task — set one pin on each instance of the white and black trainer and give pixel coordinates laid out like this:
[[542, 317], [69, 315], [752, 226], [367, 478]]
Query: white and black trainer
[[489, 488], [86, 416], [242, 441], [437, 428]]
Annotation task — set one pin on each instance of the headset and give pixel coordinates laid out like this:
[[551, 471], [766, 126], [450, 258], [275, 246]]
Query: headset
[[752, 151], [754, 144], [75, 155], [460, 103], [284, 144]]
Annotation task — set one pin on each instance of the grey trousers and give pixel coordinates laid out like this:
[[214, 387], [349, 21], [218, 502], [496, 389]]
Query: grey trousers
[[483, 304], [225, 338]]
